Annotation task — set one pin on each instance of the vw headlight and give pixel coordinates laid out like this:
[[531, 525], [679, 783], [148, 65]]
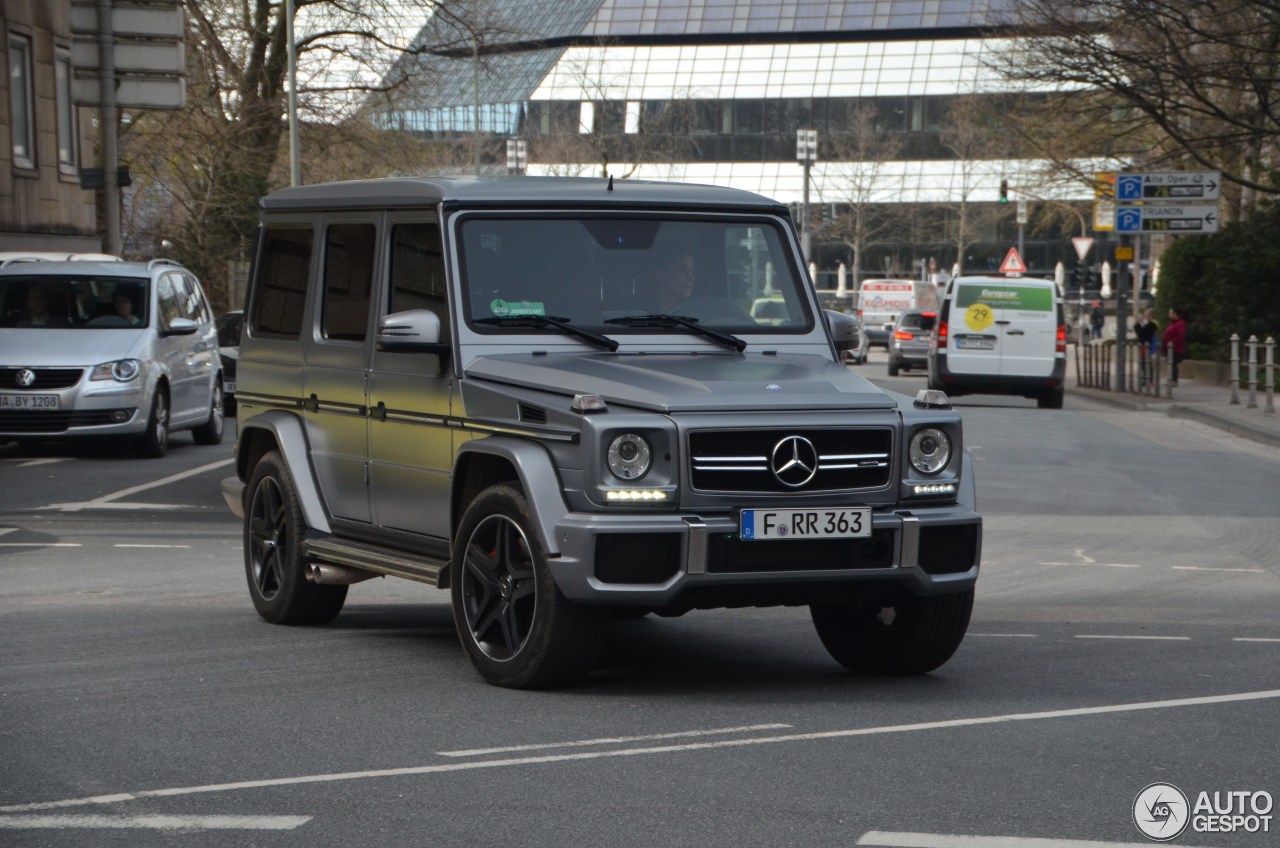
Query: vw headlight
[[629, 456], [930, 450], [122, 370]]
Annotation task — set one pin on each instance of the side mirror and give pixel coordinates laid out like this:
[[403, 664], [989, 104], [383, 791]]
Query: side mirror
[[182, 327], [412, 331], [844, 331]]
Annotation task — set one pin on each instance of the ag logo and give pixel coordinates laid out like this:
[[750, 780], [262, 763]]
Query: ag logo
[[979, 317], [1161, 812]]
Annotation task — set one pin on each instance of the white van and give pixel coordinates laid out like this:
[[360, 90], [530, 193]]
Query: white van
[[1001, 335], [880, 301]]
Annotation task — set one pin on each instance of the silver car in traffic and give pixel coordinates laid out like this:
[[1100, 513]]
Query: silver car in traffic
[[107, 348]]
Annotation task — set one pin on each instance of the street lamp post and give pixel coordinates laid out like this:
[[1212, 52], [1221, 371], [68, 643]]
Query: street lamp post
[[806, 154]]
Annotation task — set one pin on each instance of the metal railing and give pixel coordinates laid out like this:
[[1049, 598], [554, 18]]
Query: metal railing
[[1145, 372]]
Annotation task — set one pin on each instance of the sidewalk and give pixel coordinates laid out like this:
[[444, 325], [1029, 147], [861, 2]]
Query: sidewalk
[[1208, 404]]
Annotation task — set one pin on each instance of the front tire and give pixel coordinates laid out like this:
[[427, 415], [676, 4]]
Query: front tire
[[154, 443], [515, 625], [210, 432], [904, 634], [273, 564]]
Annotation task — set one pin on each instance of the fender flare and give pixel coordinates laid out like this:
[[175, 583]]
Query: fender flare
[[968, 494], [291, 440], [538, 480]]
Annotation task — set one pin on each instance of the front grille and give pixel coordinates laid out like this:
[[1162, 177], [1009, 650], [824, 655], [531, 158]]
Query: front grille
[[948, 548], [728, 554], [637, 557], [739, 460], [56, 422], [46, 378]]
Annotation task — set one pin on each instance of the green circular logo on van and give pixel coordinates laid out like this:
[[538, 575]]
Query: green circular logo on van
[[499, 307]]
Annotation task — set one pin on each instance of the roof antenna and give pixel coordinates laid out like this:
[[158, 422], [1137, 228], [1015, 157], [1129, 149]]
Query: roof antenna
[[610, 188]]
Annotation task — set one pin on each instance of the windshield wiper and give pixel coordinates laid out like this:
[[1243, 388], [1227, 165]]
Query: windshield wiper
[[668, 321], [542, 321]]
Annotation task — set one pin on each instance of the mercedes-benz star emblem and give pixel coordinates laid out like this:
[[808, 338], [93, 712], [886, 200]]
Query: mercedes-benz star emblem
[[26, 377], [794, 461]]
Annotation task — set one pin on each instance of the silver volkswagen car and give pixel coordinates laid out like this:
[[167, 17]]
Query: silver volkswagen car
[[107, 348]]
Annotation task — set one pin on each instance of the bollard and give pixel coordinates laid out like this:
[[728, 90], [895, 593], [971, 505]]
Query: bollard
[[1168, 384], [1235, 369], [1155, 373], [1270, 345], [1253, 373]]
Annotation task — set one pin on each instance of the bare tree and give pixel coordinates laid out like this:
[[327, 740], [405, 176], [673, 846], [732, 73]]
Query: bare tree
[[1204, 76], [852, 176], [972, 131]]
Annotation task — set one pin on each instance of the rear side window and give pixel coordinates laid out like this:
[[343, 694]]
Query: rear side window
[[348, 275], [281, 285]]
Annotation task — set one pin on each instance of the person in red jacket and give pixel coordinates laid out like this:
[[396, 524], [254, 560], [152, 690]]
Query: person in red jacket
[[1175, 336]]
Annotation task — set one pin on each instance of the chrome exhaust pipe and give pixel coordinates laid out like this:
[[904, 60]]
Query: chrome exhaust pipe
[[324, 574]]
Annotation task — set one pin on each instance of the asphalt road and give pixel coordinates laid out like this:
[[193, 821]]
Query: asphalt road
[[1125, 634]]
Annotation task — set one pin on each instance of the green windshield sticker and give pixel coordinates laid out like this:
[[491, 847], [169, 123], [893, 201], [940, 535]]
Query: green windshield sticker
[[1029, 298], [502, 308]]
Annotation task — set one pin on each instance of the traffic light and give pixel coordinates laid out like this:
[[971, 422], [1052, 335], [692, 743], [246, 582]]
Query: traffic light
[[1081, 275], [1004, 191]]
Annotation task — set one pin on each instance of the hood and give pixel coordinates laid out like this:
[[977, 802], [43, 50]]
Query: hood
[[684, 383], [31, 347]]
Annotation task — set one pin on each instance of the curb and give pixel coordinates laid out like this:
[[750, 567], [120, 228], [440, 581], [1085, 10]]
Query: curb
[[1230, 424]]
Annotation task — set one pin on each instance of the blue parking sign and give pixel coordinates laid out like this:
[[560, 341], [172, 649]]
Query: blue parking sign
[[1128, 220], [1129, 187]]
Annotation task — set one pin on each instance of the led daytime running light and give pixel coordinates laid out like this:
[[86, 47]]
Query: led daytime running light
[[618, 495]]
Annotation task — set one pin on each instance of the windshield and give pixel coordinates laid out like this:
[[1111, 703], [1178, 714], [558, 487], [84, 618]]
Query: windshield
[[732, 275], [73, 301]]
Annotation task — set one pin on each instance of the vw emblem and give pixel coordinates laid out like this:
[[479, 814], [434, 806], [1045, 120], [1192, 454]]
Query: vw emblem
[[794, 461], [26, 377]]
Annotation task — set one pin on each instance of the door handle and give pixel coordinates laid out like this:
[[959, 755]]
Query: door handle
[[1017, 333], [1002, 323]]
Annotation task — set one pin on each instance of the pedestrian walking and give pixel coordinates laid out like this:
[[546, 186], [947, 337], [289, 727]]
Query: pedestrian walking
[[1097, 318], [1146, 331], [1175, 336]]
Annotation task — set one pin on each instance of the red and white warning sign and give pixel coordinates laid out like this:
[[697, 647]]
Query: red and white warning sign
[[1013, 263]]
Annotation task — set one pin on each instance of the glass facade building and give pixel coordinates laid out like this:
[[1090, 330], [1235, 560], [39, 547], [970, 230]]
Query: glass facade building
[[714, 91]]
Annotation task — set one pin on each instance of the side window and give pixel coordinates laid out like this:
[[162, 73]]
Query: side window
[[417, 272], [348, 274], [167, 297], [281, 282], [188, 298]]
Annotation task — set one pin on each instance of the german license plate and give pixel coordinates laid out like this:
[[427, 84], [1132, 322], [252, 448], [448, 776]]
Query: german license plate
[[229, 388], [29, 402], [976, 344], [825, 523]]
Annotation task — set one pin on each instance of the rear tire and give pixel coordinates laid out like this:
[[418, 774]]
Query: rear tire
[[515, 625], [273, 528], [893, 368], [210, 432], [1051, 399], [903, 634]]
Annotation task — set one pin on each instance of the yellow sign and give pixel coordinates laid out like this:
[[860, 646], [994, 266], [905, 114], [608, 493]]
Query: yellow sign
[[979, 317], [1124, 253], [1104, 215], [1104, 185]]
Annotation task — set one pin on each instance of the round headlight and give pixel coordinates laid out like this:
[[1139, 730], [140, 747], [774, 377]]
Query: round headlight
[[930, 451], [629, 456], [125, 369]]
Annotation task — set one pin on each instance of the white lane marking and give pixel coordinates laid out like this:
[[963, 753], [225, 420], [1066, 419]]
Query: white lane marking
[[1095, 564], [1140, 638], [1252, 639], [475, 752], [1207, 700], [1205, 568], [1084, 560], [6, 530], [133, 490], [49, 460], [122, 545], [77, 507], [39, 544], [153, 822], [1005, 635], [883, 839]]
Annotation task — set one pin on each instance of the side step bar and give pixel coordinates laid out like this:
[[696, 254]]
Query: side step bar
[[358, 556]]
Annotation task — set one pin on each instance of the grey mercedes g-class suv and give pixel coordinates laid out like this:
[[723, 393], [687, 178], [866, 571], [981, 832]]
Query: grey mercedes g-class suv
[[549, 396]]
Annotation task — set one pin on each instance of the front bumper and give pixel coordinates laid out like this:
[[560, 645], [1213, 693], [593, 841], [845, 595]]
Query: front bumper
[[86, 409], [694, 555]]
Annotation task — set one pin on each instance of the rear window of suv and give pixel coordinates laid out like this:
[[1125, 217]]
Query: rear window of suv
[[917, 321]]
